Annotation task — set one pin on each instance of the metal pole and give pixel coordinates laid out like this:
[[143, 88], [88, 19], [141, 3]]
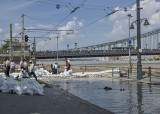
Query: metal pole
[[149, 73], [130, 64], [11, 56], [22, 43], [139, 66], [57, 54], [68, 47], [34, 45]]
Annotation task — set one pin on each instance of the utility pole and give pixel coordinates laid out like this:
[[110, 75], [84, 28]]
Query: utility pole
[[130, 64], [139, 66], [57, 54], [11, 54], [34, 52], [22, 42]]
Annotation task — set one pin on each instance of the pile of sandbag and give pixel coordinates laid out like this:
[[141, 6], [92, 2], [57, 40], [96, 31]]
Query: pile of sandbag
[[25, 86], [41, 72]]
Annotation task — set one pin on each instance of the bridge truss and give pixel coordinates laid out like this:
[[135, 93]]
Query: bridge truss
[[150, 40]]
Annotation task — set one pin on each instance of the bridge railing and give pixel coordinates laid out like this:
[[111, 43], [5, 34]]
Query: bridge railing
[[94, 51]]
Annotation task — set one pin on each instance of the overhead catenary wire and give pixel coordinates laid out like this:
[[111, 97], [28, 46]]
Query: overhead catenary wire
[[72, 11], [110, 14]]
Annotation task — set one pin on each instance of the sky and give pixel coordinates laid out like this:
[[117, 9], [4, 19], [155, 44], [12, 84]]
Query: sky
[[88, 19]]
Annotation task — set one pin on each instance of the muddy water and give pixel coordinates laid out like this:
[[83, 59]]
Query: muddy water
[[124, 98]]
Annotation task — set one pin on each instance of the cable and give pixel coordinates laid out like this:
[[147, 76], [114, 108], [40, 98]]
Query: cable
[[36, 19], [114, 11], [76, 8]]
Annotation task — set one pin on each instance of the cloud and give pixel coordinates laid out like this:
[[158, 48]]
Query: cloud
[[63, 35], [71, 25], [45, 26], [155, 19], [17, 27], [118, 29], [151, 11], [1, 30]]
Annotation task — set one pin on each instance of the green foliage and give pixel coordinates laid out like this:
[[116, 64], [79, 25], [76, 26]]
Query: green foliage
[[46, 85], [39, 81], [5, 46]]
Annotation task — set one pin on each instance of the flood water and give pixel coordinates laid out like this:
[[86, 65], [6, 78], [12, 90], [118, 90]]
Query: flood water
[[124, 98]]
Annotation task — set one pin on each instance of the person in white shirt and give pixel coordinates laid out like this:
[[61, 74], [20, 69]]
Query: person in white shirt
[[12, 69], [22, 64], [32, 70], [4, 65], [25, 66]]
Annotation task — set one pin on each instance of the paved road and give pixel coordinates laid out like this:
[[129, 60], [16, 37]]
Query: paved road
[[55, 101]]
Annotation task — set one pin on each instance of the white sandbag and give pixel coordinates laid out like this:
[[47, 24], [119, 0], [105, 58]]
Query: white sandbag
[[26, 86], [1, 80], [23, 74], [5, 86], [17, 89]]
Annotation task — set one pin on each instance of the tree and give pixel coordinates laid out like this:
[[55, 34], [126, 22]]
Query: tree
[[5, 46]]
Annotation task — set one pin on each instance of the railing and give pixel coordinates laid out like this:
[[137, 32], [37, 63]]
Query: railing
[[148, 73]]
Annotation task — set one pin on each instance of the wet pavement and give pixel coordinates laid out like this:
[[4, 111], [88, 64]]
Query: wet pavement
[[55, 101]]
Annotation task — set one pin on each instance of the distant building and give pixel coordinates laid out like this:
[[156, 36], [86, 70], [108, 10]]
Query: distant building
[[16, 51]]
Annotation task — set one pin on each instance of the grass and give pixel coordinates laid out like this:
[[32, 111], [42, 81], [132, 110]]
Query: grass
[[46, 85]]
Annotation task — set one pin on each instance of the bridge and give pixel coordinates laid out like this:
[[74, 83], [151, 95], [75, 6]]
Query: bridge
[[149, 40], [93, 53], [150, 46]]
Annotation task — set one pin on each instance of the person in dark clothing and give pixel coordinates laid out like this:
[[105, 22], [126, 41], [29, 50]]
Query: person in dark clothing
[[7, 68]]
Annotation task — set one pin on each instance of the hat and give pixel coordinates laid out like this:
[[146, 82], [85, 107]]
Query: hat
[[30, 61]]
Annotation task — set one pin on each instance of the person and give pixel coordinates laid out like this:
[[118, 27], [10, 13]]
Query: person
[[4, 65], [54, 68], [7, 68], [32, 70], [12, 69], [22, 64], [25, 65], [67, 65]]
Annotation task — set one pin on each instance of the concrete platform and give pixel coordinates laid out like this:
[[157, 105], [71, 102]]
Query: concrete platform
[[146, 80], [55, 101]]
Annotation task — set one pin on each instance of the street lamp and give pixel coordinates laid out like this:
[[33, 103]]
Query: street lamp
[[75, 45], [146, 23], [130, 64], [68, 47], [138, 21]]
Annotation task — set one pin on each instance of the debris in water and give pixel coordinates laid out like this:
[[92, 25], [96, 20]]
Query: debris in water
[[107, 88]]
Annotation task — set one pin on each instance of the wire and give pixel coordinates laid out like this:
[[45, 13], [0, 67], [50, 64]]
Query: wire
[[147, 2], [76, 8], [114, 11], [36, 19]]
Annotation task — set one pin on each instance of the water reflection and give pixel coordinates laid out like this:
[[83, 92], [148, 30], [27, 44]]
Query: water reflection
[[124, 98], [139, 98]]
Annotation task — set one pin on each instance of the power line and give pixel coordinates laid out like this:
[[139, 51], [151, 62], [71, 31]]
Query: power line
[[114, 11], [36, 19], [76, 8]]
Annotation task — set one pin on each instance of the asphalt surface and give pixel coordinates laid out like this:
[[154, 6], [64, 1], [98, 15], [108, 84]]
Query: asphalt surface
[[55, 101]]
